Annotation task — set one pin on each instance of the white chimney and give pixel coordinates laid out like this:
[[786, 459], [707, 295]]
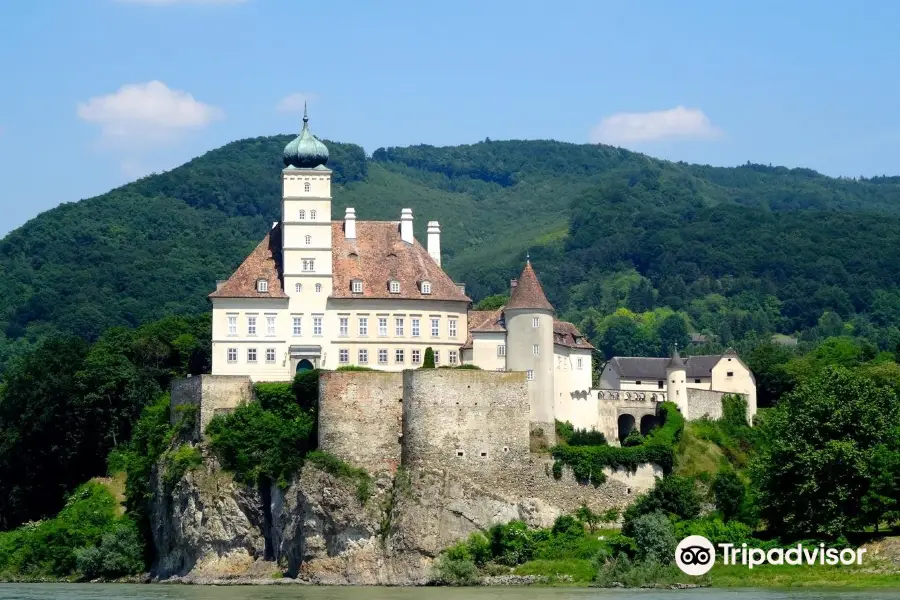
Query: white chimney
[[406, 225], [434, 241], [350, 224]]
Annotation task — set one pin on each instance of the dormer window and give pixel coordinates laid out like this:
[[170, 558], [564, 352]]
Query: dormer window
[[356, 286], [306, 187], [262, 285], [426, 287], [394, 287]]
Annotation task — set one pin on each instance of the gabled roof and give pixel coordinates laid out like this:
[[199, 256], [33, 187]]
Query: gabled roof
[[640, 367], [528, 292], [483, 321], [263, 263], [378, 256], [566, 334]]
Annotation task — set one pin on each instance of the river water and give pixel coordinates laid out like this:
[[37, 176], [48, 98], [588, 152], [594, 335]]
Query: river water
[[180, 592]]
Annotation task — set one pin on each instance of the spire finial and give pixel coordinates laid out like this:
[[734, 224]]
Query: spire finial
[[305, 116], [528, 257]]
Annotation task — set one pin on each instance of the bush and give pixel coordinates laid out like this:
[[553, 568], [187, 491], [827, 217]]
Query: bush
[[512, 543], [455, 572], [179, 461], [120, 553], [730, 493], [654, 537], [717, 531], [671, 495], [634, 438], [585, 437], [337, 467], [588, 462], [428, 363]]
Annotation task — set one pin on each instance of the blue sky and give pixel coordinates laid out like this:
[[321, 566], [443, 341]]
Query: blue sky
[[98, 92]]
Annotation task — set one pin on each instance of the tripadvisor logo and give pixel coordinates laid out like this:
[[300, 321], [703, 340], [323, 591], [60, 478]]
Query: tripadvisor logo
[[696, 555]]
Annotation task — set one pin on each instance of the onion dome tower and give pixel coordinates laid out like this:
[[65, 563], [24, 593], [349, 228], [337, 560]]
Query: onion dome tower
[[305, 151]]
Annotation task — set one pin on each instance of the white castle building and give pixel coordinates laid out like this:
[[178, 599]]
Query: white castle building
[[317, 293]]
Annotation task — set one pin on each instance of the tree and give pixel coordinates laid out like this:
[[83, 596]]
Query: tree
[[623, 337], [821, 442], [428, 363], [492, 302], [673, 332], [729, 492], [654, 537]]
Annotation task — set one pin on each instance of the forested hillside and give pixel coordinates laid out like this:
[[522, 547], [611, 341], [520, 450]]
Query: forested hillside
[[737, 252]]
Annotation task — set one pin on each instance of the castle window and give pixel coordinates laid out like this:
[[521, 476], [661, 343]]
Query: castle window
[[306, 187], [506, 448], [696, 381], [262, 285], [398, 356], [415, 327], [637, 383], [426, 287], [535, 322], [730, 373], [363, 326], [318, 288], [308, 240], [398, 327], [437, 357], [312, 215], [251, 325], [452, 328], [317, 325], [416, 357], [301, 215], [251, 355], [483, 454], [270, 355], [579, 362], [454, 357], [308, 265], [501, 350], [232, 324], [382, 326], [382, 356], [270, 324], [435, 327], [356, 286], [298, 287], [529, 375], [659, 384], [535, 349], [344, 326], [395, 287], [363, 356], [343, 356], [460, 453], [298, 326], [232, 355]]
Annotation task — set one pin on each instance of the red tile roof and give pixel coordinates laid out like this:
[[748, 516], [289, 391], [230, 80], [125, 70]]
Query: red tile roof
[[566, 334], [528, 292], [378, 256], [483, 321], [263, 263]]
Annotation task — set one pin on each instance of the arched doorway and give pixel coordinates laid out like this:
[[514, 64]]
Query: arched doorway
[[626, 424], [304, 365], [649, 423]]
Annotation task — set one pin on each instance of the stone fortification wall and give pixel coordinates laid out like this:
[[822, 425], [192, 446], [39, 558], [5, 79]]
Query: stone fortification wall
[[611, 404], [359, 418], [214, 394], [467, 420], [706, 403]]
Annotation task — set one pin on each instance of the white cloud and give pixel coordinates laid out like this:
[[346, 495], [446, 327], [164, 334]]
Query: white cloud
[[675, 123], [294, 102], [171, 2], [147, 112]]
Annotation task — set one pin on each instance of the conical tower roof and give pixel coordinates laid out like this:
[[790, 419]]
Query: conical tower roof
[[675, 362], [528, 292]]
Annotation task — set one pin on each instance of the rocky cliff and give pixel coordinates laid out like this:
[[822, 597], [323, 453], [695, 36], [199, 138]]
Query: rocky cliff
[[325, 529]]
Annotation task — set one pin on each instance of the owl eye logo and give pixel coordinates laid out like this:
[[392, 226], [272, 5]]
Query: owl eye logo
[[695, 555]]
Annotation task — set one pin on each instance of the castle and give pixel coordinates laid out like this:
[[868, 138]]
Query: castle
[[317, 293]]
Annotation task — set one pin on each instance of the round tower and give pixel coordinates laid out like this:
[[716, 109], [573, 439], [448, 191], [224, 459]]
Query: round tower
[[676, 382], [529, 347]]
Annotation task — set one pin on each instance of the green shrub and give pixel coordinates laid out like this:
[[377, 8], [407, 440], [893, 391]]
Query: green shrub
[[654, 537], [671, 495], [588, 462], [622, 571], [717, 531], [120, 553], [511, 543], [428, 362], [730, 493], [454, 572], [178, 461], [634, 438], [306, 390], [277, 397], [355, 368], [337, 467]]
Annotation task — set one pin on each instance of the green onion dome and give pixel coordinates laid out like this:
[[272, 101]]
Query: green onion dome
[[305, 151]]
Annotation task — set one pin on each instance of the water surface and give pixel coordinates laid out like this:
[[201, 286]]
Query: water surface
[[298, 592]]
